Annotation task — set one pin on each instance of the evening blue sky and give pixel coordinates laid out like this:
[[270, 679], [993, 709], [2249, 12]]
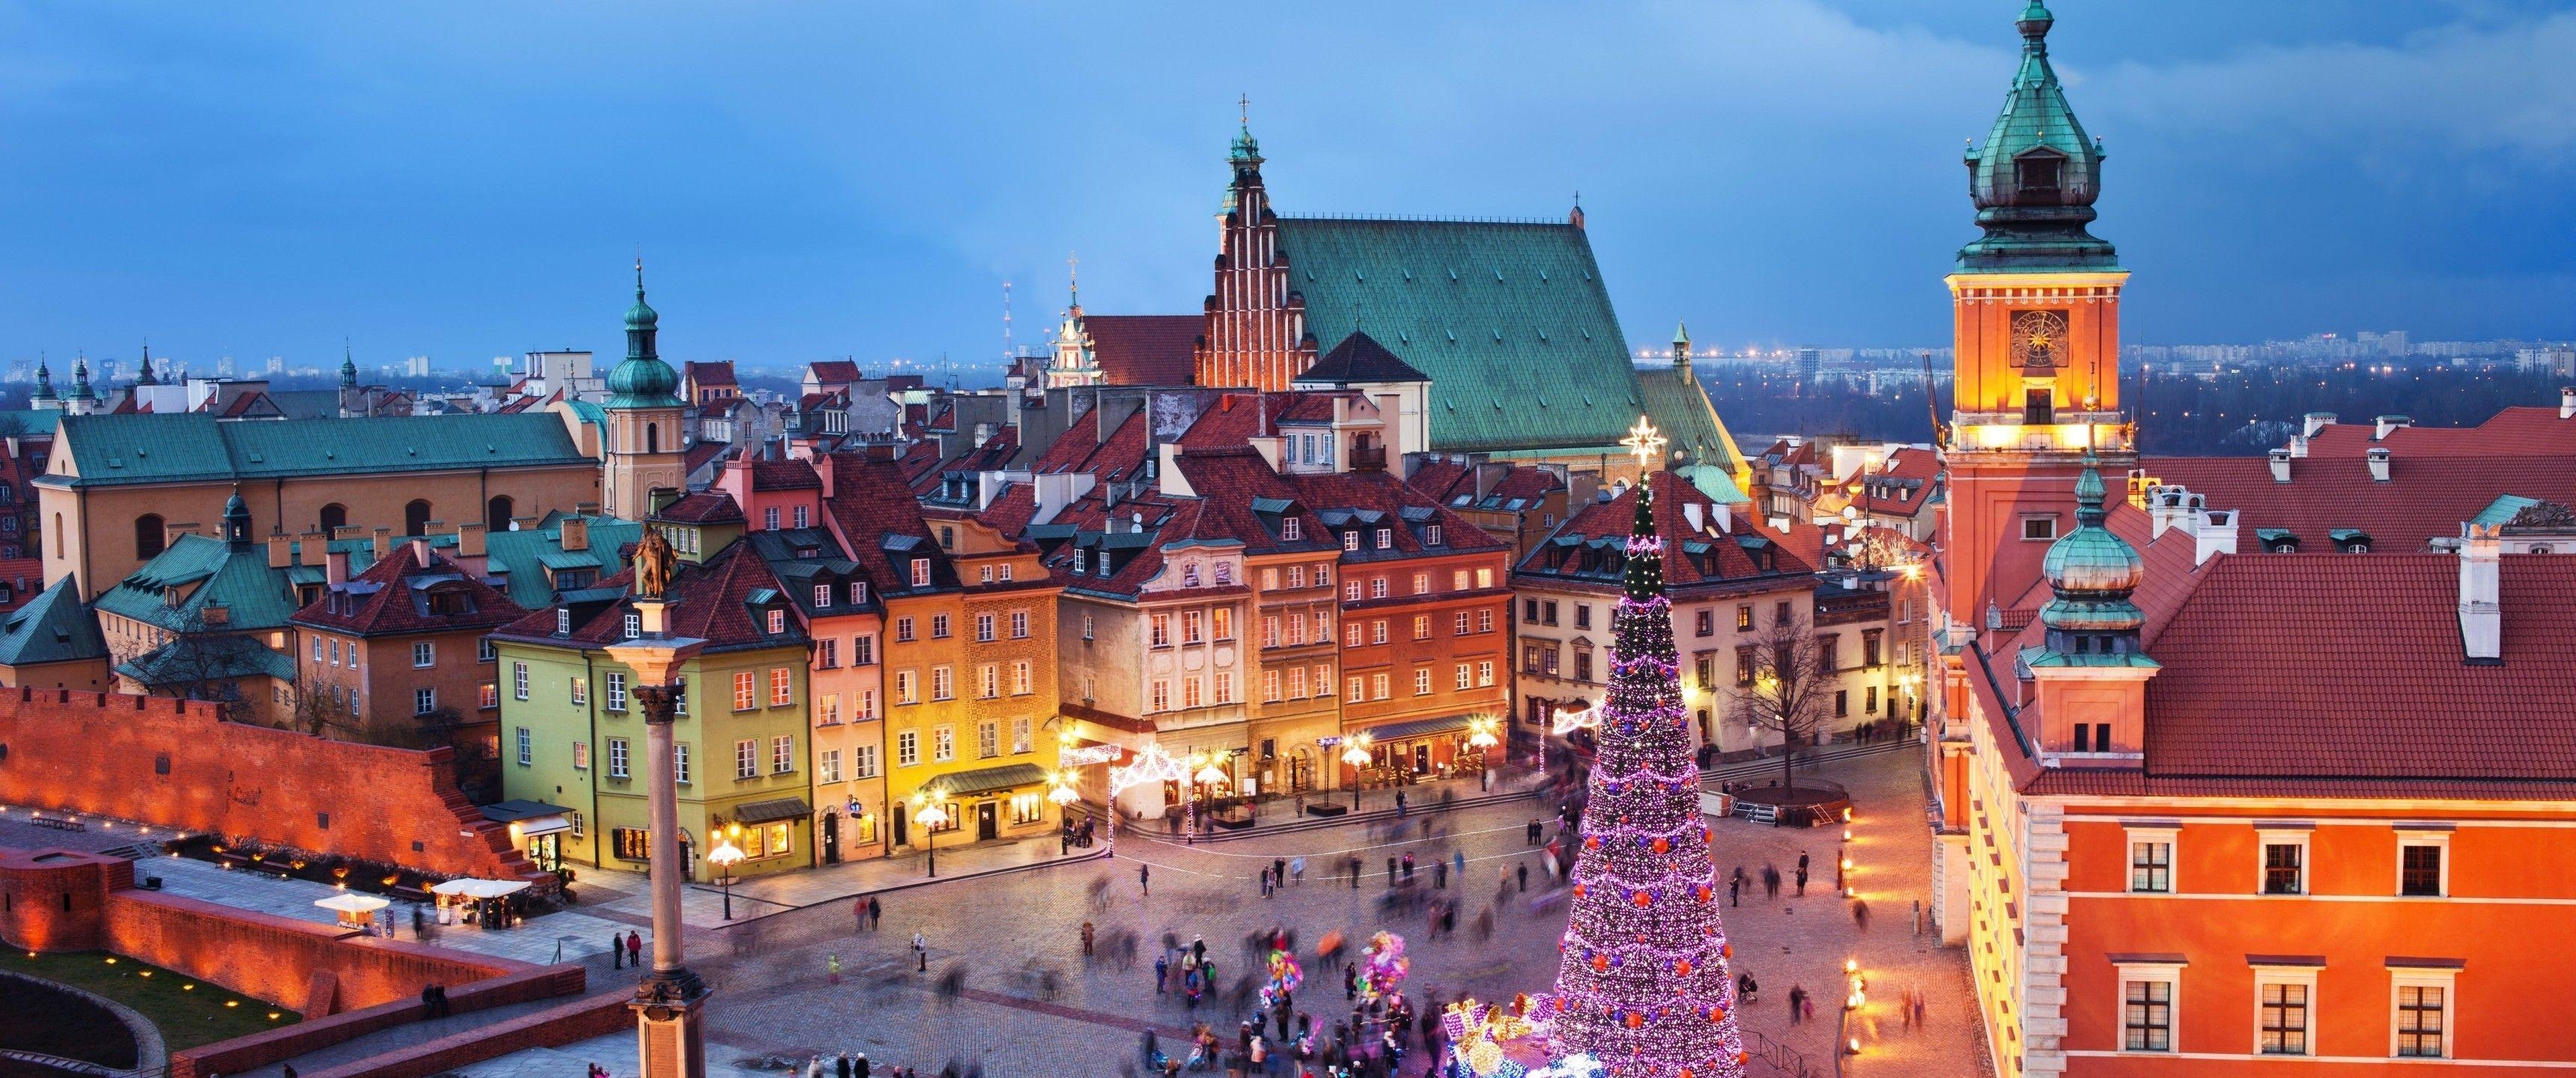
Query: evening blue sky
[[822, 179]]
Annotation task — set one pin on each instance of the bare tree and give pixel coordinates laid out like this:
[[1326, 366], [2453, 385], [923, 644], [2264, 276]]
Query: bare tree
[[1792, 684], [201, 658], [318, 713]]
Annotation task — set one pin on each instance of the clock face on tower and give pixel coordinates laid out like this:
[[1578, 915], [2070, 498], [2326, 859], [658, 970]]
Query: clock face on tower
[[2039, 338]]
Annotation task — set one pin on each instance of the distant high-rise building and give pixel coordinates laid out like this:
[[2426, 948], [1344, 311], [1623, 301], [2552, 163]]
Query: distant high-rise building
[[1809, 363], [416, 366], [276, 364]]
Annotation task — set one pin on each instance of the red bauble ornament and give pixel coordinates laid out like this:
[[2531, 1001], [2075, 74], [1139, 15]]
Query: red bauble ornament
[[1600, 963], [1591, 842], [1682, 968], [1636, 1020], [1643, 900], [1726, 950], [1663, 845]]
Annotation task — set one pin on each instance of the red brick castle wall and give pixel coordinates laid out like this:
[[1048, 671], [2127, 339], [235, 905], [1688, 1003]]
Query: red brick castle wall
[[172, 763]]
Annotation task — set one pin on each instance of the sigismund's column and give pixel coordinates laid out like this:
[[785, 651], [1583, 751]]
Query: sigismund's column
[[669, 1002]]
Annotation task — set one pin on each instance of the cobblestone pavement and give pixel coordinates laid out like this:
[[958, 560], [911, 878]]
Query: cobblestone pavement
[[1027, 1002]]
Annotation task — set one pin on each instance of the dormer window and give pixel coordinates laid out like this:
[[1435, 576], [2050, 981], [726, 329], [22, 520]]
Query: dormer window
[[1081, 565], [1386, 538], [920, 572], [777, 622], [2040, 172], [563, 622], [858, 592], [634, 625], [822, 596], [1351, 539], [1104, 563], [1190, 576], [1431, 535], [1291, 529], [1224, 573], [451, 601]]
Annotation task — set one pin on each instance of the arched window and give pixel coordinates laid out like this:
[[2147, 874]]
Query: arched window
[[335, 516], [149, 538], [652, 437], [497, 512], [416, 517]]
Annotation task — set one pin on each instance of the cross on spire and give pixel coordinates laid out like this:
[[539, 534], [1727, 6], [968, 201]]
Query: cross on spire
[[1243, 105], [1073, 277]]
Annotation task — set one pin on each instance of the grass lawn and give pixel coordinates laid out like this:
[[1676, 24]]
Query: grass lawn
[[190, 1012]]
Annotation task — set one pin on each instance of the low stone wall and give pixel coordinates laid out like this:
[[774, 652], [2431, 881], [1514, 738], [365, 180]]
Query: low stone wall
[[172, 763], [52, 900], [287, 1042], [551, 1028], [276, 958]]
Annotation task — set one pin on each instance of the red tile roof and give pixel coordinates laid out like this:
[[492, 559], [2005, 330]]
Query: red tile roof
[[711, 601], [871, 503], [835, 372], [2425, 497], [2523, 431], [1903, 487], [1728, 560], [699, 453], [714, 373], [1145, 349], [784, 475], [383, 600], [702, 507]]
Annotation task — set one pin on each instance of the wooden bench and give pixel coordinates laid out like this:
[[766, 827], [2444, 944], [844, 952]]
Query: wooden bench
[[59, 823]]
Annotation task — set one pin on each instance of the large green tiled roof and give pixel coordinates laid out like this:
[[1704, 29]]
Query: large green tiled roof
[[21, 422], [1511, 321], [52, 627], [112, 450], [254, 595], [1682, 412], [520, 558]]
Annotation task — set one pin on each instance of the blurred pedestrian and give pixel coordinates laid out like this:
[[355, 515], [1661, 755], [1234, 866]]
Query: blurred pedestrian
[[1522, 870], [921, 952], [1144, 878], [1860, 913]]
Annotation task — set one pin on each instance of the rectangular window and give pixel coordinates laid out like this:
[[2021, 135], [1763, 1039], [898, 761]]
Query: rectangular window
[[1485, 620], [906, 689], [2039, 529], [943, 744], [1463, 676], [680, 763], [423, 655], [1582, 665], [2423, 1017], [1743, 617], [519, 681], [2151, 862], [828, 708], [1023, 679], [2146, 1017], [769, 518], [1162, 696], [1270, 631], [828, 767], [863, 762], [903, 630], [867, 705], [1225, 687], [1159, 634], [1351, 539], [822, 596], [2419, 867], [988, 681], [1023, 732], [1421, 681], [920, 572], [858, 592], [1359, 689], [491, 696], [1458, 625], [988, 739], [1270, 577], [782, 754], [1019, 622], [1422, 583], [1386, 538], [1706, 623], [863, 650], [1377, 587], [1291, 529], [1270, 686], [983, 628], [1377, 631], [942, 684], [939, 626], [1422, 626], [2284, 1016], [1485, 674], [1704, 670], [424, 700], [2285, 864], [746, 758], [746, 690], [907, 748], [803, 516], [580, 690], [1457, 580], [617, 758], [317, 649], [1193, 627], [1377, 686], [1221, 623], [633, 625], [616, 686], [1431, 535], [526, 747], [1351, 591], [1086, 626], [827, 653], [1842, 702]]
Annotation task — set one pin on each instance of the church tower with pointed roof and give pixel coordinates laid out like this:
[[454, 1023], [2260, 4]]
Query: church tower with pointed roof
[[2035, 305], [643, 452], [1256, 319]]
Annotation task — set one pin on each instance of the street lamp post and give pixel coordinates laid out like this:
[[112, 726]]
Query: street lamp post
[[725, 856], [1357, 755], [670, 1002], [932, 811]]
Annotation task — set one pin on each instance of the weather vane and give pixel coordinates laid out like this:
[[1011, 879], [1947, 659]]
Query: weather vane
[[1643, 441]]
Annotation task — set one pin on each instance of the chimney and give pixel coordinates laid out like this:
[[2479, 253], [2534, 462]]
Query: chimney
[[588, 509], [2298, 447], [2481, 604], [349, 531], [335, 568], [2567, 402], [281, 551], [2280, 465], [2389, 424], [2316, 421], [2167, 508], [469, 540], [2214, 532], [2379, 463], [383, 540], [576, 533]]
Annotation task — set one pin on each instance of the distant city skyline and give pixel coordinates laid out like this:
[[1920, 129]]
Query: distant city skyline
[[809, 183]]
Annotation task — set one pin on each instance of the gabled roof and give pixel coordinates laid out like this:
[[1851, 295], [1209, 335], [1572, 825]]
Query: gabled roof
[[211, 573], [113, 450], [2512, 432], [392, 597], [711, 373], [1510, 321], [1682, 413], [1145, 349], [1360, 358], [712, 601], [52, 627], [701, 507], [518, 557], [834, 372], [870, 506], [1728, 552], [795, 474]]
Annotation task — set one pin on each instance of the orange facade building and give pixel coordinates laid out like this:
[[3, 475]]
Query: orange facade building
[[2210, 812]]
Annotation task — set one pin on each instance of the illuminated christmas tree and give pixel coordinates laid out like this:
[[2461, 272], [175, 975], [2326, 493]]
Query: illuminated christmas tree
[[1644, 990], [1644, 987]]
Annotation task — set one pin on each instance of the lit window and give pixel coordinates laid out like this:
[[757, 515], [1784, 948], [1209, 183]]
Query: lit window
[[943, 744], [827, 768], [782, 686], [984, 628], [906, 691], [580, 690], [1019, 625], [939, 626], [746, 690], [988, 681], [1386, 538], [1023, 681], [777, 622], [1421, 681], [942, 684], [1351, 539], [907, 748], [920, 572], [1422, 583], [1377, 587]]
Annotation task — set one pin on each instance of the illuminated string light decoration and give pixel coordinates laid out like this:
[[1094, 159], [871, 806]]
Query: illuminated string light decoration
[[1645, 443], [1644, 990]]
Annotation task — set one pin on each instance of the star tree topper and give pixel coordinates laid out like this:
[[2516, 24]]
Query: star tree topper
[[1644, 441]]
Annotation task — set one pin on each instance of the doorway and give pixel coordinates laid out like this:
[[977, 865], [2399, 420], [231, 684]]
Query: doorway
[[988, 821], [832, 836], [902, 825], [1421, 757]]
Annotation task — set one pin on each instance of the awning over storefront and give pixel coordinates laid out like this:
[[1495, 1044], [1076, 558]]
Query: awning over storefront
[[529, 819], [1413, 728], [784, 808], [985, 780]]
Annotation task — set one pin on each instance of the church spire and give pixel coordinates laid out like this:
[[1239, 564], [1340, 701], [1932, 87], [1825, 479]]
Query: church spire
[[44, 383], [348, 366], [80, 380], [643, 380], [2035, 179], [146, 377]]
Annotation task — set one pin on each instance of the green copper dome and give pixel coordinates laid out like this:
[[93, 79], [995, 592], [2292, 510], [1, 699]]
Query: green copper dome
[[642, 380], [237, 520], [2035, 179], [44, 383], [2091, 571]]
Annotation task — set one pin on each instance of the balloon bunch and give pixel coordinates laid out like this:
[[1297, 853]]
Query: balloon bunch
[[1285, 976], [1383, 965]]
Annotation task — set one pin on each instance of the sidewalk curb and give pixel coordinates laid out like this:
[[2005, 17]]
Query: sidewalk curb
[[926, 881]]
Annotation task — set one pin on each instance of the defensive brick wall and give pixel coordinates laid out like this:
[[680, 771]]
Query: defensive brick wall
[[173, 763], [276, 958]]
